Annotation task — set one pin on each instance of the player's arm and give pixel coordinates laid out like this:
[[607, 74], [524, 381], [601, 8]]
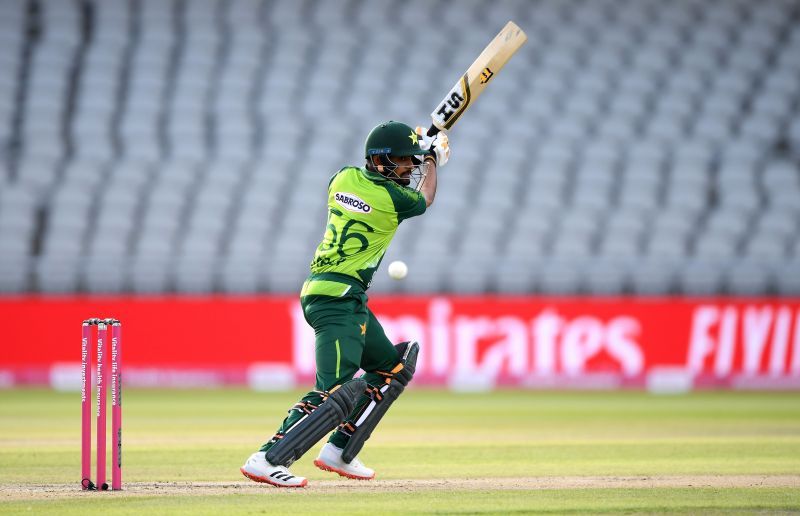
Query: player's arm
[[439, 146], [427, 186]]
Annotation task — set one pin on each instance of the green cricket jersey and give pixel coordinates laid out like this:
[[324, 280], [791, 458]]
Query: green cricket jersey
[[364, 210]]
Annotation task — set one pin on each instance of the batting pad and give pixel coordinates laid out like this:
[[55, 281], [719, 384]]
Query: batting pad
[[306, 432], [376, 409]]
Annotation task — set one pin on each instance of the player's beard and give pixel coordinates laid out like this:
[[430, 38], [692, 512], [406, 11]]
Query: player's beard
[[410, 179], [411, 174], [403, 180]]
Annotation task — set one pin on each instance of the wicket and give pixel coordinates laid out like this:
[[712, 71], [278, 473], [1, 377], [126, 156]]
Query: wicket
[[102, 395]]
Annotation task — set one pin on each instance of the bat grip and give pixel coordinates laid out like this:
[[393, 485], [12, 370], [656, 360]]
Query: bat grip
[[433, 130]]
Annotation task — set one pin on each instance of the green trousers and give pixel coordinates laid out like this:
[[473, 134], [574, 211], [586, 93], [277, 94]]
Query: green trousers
[[348, 337]]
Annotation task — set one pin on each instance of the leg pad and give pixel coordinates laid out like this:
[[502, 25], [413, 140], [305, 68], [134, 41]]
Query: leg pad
[[382, 400], [314, 426]]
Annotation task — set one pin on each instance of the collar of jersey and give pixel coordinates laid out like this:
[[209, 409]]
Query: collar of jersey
[[375, 177]]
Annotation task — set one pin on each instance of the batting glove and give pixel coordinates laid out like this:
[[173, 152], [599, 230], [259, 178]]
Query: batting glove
[[425, 141], [439, 145], [441, 148]]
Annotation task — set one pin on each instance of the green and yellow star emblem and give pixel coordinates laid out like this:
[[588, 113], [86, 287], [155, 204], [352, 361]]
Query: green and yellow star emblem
[[414, 138]]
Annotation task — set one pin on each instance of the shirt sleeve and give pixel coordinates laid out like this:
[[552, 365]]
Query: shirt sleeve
[[330, 181], [407, 202]]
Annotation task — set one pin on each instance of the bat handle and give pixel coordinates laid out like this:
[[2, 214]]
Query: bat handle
[[433, 130]]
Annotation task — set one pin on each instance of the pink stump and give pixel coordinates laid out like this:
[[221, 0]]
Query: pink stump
[[86, 406], [116, 405], [102, 334]]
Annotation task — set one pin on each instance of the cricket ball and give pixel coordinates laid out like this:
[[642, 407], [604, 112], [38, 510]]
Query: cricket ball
[[397, 270]]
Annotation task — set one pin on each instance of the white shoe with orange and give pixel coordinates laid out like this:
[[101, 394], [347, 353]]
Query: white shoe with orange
[[330, 459], [258, 469]]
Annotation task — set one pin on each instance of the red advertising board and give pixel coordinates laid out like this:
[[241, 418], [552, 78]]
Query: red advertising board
[[466, 342]]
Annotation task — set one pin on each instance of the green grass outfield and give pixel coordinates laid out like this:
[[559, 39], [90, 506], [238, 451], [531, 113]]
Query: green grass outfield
[[436, 452]]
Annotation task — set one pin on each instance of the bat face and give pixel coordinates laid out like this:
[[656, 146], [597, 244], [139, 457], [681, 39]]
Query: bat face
[[477, 77]]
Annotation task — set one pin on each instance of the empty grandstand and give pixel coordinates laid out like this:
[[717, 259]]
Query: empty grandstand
[[635, 146]]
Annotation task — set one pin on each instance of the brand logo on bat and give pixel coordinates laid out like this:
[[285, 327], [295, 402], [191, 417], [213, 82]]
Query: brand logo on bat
[[450, 105], [486, 74], [352, 202], [453, 104]]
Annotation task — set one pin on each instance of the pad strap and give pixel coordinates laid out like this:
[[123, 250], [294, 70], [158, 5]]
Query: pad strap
[[381, 399]]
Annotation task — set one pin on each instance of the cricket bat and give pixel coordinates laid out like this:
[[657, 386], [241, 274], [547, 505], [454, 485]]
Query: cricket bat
[[478, 75]]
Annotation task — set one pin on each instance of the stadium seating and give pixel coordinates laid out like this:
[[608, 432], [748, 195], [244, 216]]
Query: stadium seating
[[631, 147]]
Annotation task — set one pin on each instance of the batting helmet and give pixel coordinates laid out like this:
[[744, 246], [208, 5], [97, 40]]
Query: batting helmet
[[394, 139]]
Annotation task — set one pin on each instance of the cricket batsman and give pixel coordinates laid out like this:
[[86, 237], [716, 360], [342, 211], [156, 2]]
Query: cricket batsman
[[365, 207]]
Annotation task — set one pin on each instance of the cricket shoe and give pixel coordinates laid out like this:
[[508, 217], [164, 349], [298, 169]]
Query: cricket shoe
[[330, 459], [259, 470]]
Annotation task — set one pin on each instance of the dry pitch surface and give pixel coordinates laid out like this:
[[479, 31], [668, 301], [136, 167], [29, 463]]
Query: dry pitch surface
[[39, 491]]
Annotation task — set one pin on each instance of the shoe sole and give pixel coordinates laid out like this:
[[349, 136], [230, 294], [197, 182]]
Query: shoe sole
[[265, 480], [321, 465]]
